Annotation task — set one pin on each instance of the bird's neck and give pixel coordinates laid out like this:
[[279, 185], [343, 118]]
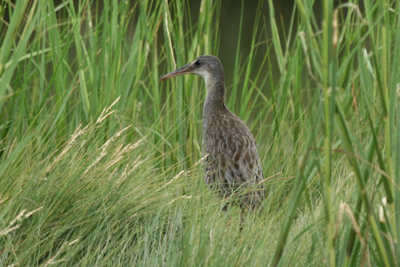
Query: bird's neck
[[215, 99]]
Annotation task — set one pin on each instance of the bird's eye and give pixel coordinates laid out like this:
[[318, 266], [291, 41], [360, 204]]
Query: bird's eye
[[197, 63]]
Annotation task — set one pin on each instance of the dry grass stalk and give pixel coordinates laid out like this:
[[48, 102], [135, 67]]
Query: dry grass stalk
[[3, 200], [8, 230], [18, 218], [64, 246], [104, 147], [344, 208], [106, 112], [78, 132]]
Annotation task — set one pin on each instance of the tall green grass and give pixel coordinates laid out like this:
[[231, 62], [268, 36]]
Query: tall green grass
[[100, 164]]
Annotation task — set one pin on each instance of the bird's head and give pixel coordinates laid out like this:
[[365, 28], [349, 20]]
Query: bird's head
[[209, 67]]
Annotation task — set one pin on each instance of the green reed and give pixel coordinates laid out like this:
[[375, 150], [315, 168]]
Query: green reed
[[100, 164]]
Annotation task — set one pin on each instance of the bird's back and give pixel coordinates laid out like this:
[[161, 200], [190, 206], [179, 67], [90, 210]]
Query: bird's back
[[232, 164]]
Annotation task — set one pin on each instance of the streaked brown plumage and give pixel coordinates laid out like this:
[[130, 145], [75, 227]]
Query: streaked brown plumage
[[232, 165]]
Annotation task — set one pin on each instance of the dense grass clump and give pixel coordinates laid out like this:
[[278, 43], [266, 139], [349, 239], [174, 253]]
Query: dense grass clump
[[100, 164]]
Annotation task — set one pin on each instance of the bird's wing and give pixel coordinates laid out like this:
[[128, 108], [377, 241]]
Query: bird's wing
[[233, 153]]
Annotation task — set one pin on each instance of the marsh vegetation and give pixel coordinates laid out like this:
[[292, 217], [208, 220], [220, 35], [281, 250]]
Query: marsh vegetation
[[100, 164]]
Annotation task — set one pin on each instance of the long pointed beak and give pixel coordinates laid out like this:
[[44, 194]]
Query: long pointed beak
[[183, 70]]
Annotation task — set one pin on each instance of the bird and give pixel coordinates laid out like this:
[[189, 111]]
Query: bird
[[231, 161]]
